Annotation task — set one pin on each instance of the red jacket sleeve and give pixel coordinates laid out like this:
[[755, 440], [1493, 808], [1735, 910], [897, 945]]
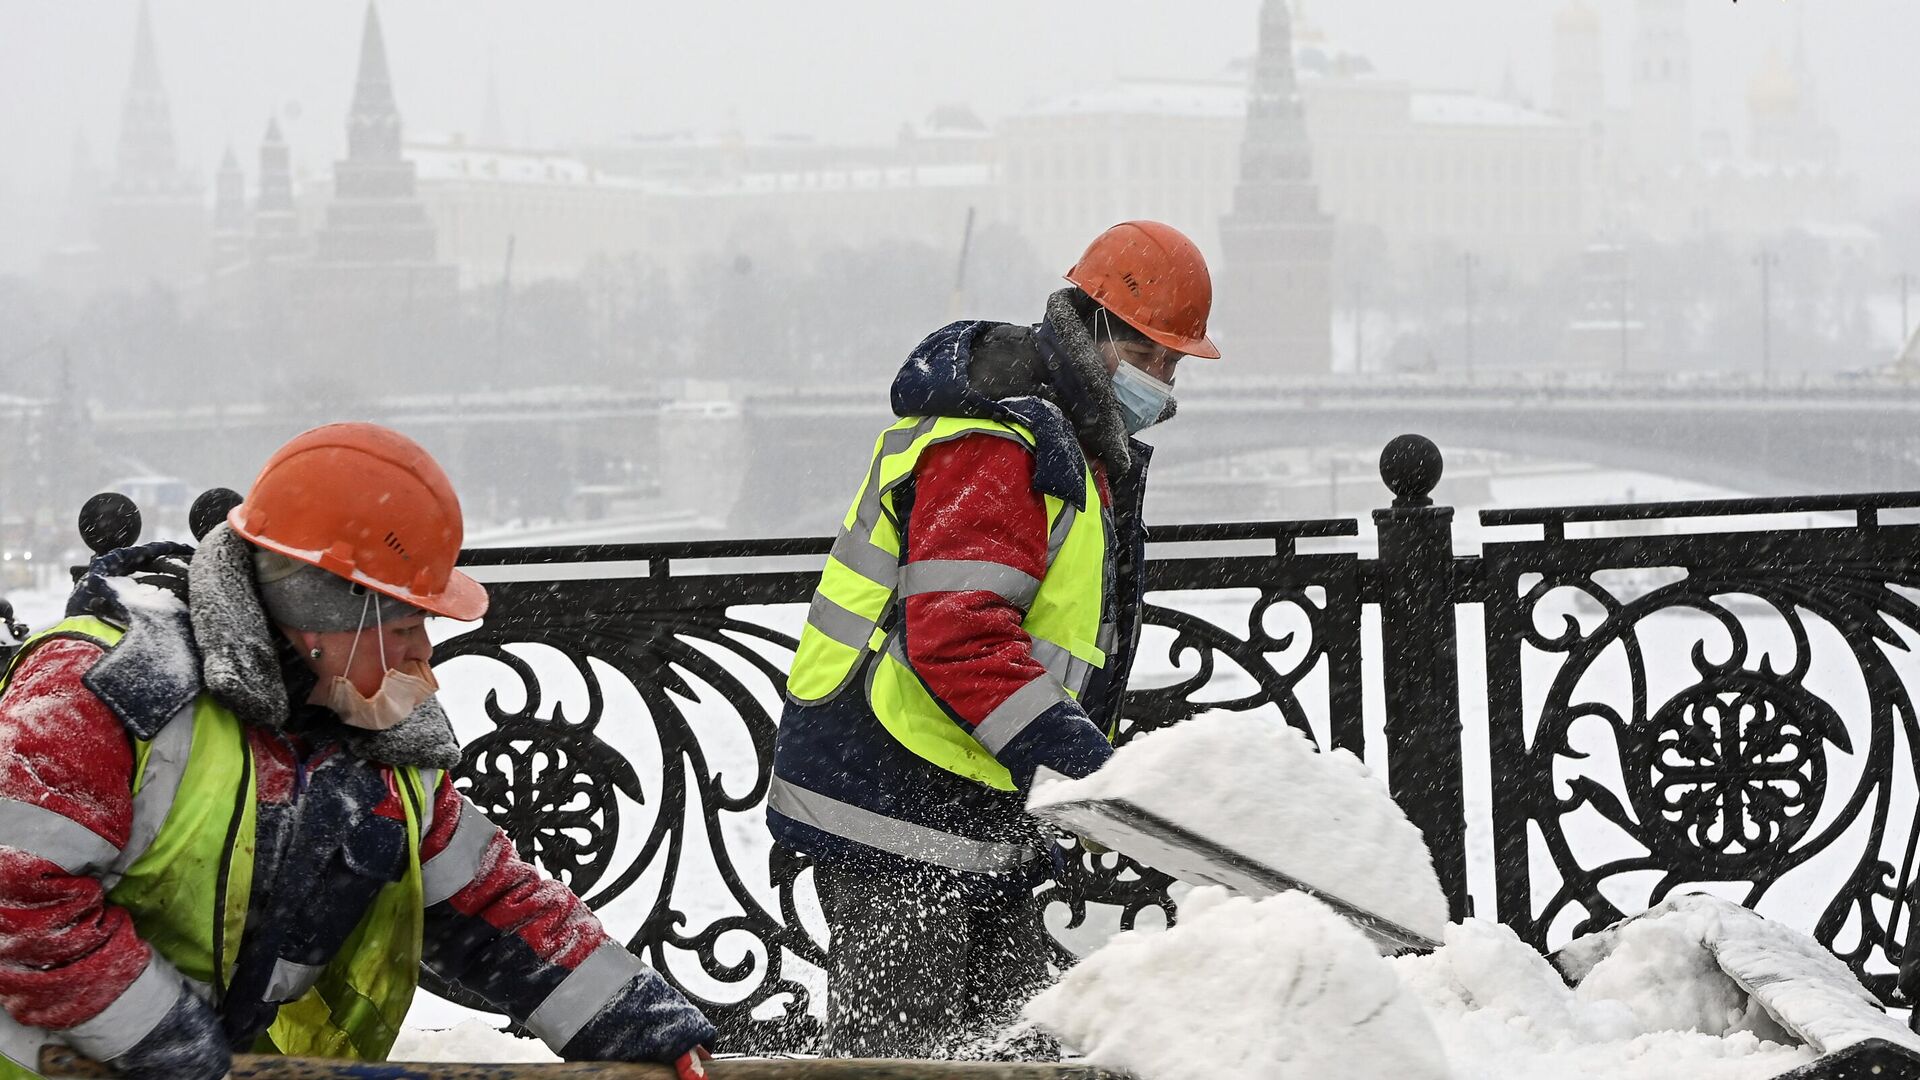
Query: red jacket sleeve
[[499, 927], [974, 501], [66, 763], [976, 554]]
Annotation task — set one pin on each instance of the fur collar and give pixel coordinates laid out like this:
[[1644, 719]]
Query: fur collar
[[237, 662], [1074, 365]]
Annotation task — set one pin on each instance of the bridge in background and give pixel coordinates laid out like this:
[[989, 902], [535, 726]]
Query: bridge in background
[[780, 461]]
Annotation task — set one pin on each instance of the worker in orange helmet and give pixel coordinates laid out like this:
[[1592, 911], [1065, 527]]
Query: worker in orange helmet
[[975, 625], [226, 817]]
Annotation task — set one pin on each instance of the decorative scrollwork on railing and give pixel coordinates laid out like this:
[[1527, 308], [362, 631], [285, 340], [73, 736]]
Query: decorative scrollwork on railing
[[631, 836], [1738, 773], [557, 786], [1745, 770], [1207, 643]]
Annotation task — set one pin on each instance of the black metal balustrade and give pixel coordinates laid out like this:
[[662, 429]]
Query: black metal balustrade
[[1764, 767]]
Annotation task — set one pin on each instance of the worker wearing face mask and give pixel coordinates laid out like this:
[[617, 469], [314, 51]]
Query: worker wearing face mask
[[975, 623], [226, 817]]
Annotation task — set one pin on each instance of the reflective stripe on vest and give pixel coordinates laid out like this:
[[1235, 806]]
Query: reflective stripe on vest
[[157, 783], [188, 782], [891, 835], [864, 578], [1016, 587]]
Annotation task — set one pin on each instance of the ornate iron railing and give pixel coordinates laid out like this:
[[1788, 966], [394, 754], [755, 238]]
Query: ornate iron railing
[[1702, 704], [1780, 755]]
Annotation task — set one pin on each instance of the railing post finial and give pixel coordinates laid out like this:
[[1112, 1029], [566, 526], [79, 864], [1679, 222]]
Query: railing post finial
[[1411, 466], [108, 521], [210, 509], [1419, 653]]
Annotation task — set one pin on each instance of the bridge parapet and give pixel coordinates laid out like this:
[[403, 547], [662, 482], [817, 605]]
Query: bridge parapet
[[1605, 706]]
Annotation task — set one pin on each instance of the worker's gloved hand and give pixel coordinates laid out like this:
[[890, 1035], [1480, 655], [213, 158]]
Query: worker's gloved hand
[[187, 1044], [692, 1065]]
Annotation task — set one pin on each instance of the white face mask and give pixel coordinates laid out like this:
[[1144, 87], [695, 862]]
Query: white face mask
[[402, 690], [1142, 397]]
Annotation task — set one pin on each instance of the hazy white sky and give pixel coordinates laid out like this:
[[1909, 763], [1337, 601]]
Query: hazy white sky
[[586, 70]]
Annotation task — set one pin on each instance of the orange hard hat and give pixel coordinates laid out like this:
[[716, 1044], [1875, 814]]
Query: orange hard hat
[[1154, 279], [370, 505]]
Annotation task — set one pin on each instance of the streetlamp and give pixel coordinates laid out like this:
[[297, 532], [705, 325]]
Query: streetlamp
[[1766, 261]]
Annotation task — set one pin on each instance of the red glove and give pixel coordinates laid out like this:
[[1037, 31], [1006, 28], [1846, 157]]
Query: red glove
[[692, 1065]]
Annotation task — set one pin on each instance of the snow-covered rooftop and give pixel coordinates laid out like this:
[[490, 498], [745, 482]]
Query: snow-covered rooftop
[[1143, 97], [858, 179], [1216, 98], [443, 161], [1453, 107]]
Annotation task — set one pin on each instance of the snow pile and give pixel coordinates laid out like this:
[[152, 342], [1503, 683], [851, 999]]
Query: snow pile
[[1277, 988], [469, 1041], [1282, 987], [1259, 787], [1771, 977], [1658, 968], [1504, 1013]]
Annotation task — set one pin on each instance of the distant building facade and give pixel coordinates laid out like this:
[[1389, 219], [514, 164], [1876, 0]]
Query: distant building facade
[[1402, 176]]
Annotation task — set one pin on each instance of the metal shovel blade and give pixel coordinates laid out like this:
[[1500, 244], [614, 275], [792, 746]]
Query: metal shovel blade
[[1170, 848]]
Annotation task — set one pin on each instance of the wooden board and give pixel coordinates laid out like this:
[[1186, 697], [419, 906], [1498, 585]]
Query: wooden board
[[60, 1062]]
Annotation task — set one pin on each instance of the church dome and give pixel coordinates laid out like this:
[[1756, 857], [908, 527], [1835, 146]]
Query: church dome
[[1775, 88], [1577, 16]]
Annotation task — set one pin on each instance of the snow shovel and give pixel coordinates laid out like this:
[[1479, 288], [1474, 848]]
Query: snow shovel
[[1250, 803], [1166, 846], [60, 1062]]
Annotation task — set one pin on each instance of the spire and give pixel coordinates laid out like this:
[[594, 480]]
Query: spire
[[374, 217], [1276, 170], [1277, 246], [276, 230], [276, 172], [146, 122], [229, 242], [146, 60], [373, 124]]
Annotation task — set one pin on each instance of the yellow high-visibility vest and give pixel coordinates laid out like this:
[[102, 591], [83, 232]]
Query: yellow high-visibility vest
[[188, 781], [848, 620]]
